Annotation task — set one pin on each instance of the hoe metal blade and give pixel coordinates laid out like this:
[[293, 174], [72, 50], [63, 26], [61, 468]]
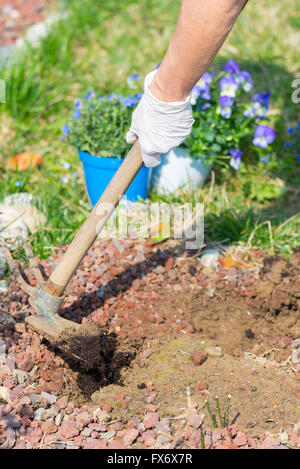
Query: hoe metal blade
[[47, 321]]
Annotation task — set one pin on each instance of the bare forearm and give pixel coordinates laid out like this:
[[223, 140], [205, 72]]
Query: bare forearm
[[202, 27]]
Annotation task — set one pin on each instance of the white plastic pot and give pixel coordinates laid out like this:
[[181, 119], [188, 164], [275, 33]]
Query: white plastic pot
[[178, 169]]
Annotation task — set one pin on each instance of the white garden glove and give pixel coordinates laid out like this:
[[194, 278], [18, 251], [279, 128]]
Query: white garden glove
[[160, 126]]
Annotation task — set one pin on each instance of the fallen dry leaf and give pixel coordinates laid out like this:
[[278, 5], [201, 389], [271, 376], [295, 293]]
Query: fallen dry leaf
[[229, 262], [24, 161]]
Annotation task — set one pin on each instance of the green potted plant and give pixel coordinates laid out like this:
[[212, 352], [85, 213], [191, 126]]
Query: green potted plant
[[97, 129]]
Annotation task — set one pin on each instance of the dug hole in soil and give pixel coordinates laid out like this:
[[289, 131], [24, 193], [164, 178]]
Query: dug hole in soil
[[162, 336]]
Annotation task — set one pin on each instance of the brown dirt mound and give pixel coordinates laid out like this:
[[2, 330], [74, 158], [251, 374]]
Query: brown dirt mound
[[278, 292], [249, 310]]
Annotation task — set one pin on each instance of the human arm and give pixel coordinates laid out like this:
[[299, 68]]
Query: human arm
[[163, 118]]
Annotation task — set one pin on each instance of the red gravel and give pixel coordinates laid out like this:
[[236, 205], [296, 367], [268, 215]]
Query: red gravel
[[117, 286]]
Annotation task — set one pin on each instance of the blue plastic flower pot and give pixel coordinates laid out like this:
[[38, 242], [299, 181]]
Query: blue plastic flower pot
[[99, 171]]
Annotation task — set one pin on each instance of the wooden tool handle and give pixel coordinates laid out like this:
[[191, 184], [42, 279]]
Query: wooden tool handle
[[89, 231]]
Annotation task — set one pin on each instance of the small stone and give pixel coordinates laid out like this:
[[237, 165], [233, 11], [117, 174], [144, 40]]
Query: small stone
[[148, 438], [196, 420], [240, 439], [68, 429], [36, 399], [146, 353], [36, 435], [101, 416], [58, 419], [130, 437], [210, 258], [2, 346], [48, 427], [3, 285], [86, 432], [151, 419], [62, 402], [296, 356], [283, 437], [51, 413], [21, 376], [161, 440], [16, 393], [49, 397], [97, 427], [214, 351], [296, 343], [108, 435], [26, 365], [160, 269], [5, 394], [162, 426], [6, 321], [38, 414], [198, 358], [12, 421], [83, 418]]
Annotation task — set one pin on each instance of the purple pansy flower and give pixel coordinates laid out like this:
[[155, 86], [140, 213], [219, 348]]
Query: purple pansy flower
[[263, 136], [199, 91], [236, 159], [255, 110], [205, 94], [205, 80], [232, 67], [262, 99], [228, 86], [246, 80], [195, 93], [226, 106]]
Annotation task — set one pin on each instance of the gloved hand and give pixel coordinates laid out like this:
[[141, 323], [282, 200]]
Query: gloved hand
[[160, 126]]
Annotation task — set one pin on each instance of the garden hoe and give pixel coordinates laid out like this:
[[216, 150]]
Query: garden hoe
[[47, 296]]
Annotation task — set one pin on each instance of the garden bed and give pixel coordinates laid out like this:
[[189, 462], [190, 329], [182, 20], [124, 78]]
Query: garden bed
[[157, 322]]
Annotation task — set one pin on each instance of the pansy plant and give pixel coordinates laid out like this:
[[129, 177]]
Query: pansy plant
[[228, 118]]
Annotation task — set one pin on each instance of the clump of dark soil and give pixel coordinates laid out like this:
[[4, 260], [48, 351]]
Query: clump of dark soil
[[96, 355]]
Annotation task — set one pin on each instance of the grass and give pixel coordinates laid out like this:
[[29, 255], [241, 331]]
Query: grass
[[96, 46]]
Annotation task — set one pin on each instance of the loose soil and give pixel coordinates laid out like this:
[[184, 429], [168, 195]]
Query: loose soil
[[146, 314]]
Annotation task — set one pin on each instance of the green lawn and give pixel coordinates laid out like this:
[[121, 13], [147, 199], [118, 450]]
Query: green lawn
[[96, 46]]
